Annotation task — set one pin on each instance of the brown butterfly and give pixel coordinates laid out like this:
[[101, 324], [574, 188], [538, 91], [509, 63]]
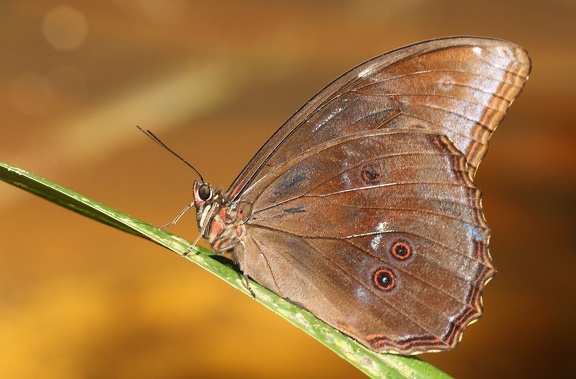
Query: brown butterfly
[[362, 207]]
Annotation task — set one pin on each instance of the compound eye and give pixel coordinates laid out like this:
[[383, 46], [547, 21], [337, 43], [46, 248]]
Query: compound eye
[[204, 191]]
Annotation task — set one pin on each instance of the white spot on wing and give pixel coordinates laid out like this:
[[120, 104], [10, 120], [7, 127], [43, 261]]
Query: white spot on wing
[[446, 83], [382, 227], [361, 294], [347, 181]]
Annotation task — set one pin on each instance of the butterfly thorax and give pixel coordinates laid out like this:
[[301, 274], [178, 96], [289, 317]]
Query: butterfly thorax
[[218, 218]]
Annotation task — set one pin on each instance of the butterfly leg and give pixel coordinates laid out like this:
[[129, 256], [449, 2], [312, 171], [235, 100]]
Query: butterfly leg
[[173, 222], [247, 285], [192, 246], [244, 274]]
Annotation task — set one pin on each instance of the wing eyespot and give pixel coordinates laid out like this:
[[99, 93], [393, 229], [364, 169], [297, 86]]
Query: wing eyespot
[[384, 279], [371, 174], [401, 250]]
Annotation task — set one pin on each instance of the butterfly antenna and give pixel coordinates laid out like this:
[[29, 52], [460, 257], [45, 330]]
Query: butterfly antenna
[[157, 140]]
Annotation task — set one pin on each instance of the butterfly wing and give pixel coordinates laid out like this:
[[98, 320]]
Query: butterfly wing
[[460, 87], [363, 206]]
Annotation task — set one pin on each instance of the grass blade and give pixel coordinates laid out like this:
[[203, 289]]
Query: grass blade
[[373, 364]]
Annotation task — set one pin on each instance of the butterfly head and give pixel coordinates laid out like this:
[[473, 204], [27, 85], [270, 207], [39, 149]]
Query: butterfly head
[[217, 219], [208, 203]]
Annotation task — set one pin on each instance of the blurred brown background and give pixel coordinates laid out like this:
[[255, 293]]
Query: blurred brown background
[[214, 80]]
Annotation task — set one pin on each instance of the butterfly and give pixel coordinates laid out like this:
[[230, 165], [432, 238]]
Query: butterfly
[[362, 207]]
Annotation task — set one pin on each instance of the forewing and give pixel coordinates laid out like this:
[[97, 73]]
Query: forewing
[[459, 87]]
